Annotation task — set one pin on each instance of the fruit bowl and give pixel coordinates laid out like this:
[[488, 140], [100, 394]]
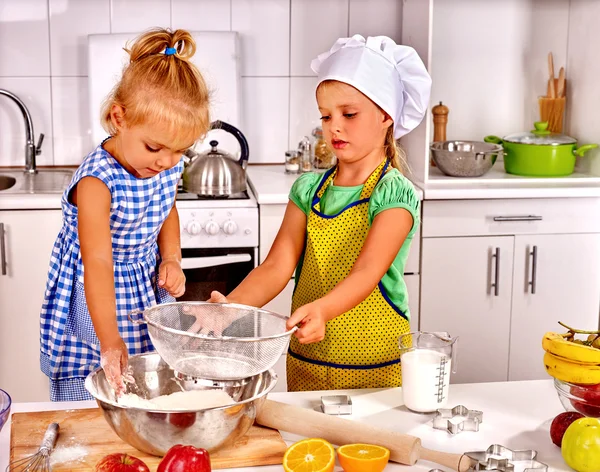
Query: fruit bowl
[[582, 398], [5, 402]]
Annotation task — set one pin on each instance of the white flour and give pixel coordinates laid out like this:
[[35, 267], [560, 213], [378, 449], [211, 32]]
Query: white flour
[[66, 454], [191, 400]]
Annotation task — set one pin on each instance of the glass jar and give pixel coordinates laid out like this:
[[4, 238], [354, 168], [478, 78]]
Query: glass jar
[[324, 156], [306, 156], [292, 162]]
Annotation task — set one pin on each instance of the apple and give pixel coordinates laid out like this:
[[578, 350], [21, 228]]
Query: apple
[[581, 445], [121, 462], [561, 423], [589, 404], [182, 458]]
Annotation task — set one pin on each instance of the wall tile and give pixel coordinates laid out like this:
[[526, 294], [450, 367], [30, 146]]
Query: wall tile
[[24, 41], [316, 24], [201, 15], [70, 23], [266, 110], [133, 16], [35, 94], [264, 27], [376, 18], [304, 113], [71, 120]]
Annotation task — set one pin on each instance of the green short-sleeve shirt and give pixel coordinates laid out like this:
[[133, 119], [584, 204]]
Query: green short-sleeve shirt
[[392, 191]]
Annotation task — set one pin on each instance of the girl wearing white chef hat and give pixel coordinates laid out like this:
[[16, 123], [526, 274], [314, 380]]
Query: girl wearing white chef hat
[[347, 233]]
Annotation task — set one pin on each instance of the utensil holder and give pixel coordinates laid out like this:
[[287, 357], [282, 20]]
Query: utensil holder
[[552, 110]]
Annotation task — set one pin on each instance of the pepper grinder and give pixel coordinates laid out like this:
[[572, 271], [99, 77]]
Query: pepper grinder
[[440, 120]]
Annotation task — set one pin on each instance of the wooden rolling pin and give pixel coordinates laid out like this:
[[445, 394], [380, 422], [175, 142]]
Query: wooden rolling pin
[[403, 448]]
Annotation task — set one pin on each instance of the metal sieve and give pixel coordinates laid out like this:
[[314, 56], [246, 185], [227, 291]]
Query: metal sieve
[[215, 341]]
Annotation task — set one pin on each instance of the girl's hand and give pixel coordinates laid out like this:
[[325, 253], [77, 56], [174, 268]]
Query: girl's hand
[[312, 321], [113, 360], [171, 277], [217, 297]]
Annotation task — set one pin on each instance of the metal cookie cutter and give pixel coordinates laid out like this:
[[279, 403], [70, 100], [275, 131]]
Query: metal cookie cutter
[[446, 419], [336, 405], [503, 459]]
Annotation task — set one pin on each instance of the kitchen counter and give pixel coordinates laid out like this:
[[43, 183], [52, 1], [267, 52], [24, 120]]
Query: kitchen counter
[[497, 184], [515, 414], [271, 185]]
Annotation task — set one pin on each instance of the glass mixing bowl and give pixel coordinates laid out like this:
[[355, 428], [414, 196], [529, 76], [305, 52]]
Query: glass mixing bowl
[[5, 402], [582, 398]]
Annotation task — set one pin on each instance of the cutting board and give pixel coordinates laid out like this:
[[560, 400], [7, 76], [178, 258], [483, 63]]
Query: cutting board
[[89, 430]]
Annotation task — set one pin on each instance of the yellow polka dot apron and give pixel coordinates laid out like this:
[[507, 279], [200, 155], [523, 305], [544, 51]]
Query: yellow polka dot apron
[[360, 349]]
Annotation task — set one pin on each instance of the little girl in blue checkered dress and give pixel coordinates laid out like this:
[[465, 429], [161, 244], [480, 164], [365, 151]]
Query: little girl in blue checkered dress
[[119, 248]]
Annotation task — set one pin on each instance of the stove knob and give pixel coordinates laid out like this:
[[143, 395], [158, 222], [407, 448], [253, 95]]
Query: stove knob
[[230, 227], [211, 227], [193, 227]]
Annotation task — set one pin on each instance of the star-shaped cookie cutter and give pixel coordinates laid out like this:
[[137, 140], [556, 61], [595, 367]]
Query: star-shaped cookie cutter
[[503, 459], [447, 419]]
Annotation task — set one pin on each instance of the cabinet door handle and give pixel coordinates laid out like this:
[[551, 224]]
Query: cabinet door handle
[[533, 283], [2, 250], [518, 218], [496, 282]]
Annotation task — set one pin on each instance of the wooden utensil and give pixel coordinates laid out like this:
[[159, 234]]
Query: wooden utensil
[[404, 448], [560, 91], [88, 430], [551, 88]]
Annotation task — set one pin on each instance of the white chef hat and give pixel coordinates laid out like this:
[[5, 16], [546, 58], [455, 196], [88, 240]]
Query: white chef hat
[[391, 75]]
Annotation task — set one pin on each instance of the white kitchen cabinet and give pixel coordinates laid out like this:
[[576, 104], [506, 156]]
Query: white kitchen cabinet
[[282, 303], [466, 288], [500, 336], [28, 239], [557, 278]]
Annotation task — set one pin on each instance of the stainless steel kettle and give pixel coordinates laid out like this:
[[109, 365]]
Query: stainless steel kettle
[[216, 173]]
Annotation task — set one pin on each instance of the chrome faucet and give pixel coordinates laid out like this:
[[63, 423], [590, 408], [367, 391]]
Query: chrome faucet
[[31, 150]]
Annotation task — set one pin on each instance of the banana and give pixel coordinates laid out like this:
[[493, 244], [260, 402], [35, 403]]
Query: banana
[[556, 344], [562, 369]]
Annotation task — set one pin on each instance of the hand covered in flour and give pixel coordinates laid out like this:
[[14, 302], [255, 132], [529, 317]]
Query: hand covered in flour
[[171, 277], [210, 321], [114, 361], [311, 321]]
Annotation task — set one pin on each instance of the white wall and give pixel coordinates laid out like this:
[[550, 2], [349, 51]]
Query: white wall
[[43, 60], [583, 79], [489, 61]]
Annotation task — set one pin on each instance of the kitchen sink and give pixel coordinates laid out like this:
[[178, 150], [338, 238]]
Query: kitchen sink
[[6, 182], [44, 181]]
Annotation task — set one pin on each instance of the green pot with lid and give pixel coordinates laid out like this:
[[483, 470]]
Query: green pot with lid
[[540, 153]]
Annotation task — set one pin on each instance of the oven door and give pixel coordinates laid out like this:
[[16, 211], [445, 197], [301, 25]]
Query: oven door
[[215, 269]]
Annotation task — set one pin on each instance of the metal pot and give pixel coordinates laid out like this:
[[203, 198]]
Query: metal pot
[[540, 153], [216, 173]]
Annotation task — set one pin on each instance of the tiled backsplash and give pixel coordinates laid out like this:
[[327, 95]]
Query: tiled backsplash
[[43, 48]]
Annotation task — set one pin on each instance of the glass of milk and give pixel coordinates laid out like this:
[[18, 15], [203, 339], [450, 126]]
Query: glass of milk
[[427, 360]]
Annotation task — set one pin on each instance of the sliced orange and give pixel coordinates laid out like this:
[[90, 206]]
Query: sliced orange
[[309, 455], [363, 457]]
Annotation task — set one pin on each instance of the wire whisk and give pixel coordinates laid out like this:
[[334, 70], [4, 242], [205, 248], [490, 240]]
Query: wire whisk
[[40, 461]]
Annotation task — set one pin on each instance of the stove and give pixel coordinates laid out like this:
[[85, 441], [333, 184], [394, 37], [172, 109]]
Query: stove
[[219, 241]]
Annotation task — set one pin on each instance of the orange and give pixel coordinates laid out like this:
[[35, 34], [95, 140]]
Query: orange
[[309, 455], [363, 457]]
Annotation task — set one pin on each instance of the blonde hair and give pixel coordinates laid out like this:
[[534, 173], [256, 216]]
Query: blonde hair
[[156, 87], [392, 149]]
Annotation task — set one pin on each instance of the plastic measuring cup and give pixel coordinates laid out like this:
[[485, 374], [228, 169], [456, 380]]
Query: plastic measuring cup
[[427, 360]]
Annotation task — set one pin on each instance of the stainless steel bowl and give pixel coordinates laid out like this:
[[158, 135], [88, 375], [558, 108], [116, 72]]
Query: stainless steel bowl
[[464, 158], [155, 431]]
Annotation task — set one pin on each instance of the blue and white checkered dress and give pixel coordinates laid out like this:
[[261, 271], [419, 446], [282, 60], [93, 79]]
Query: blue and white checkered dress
[[69, 347]]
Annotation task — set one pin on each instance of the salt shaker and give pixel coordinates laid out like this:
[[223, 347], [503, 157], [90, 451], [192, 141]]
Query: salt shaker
[[292, 162], [305, 149]]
